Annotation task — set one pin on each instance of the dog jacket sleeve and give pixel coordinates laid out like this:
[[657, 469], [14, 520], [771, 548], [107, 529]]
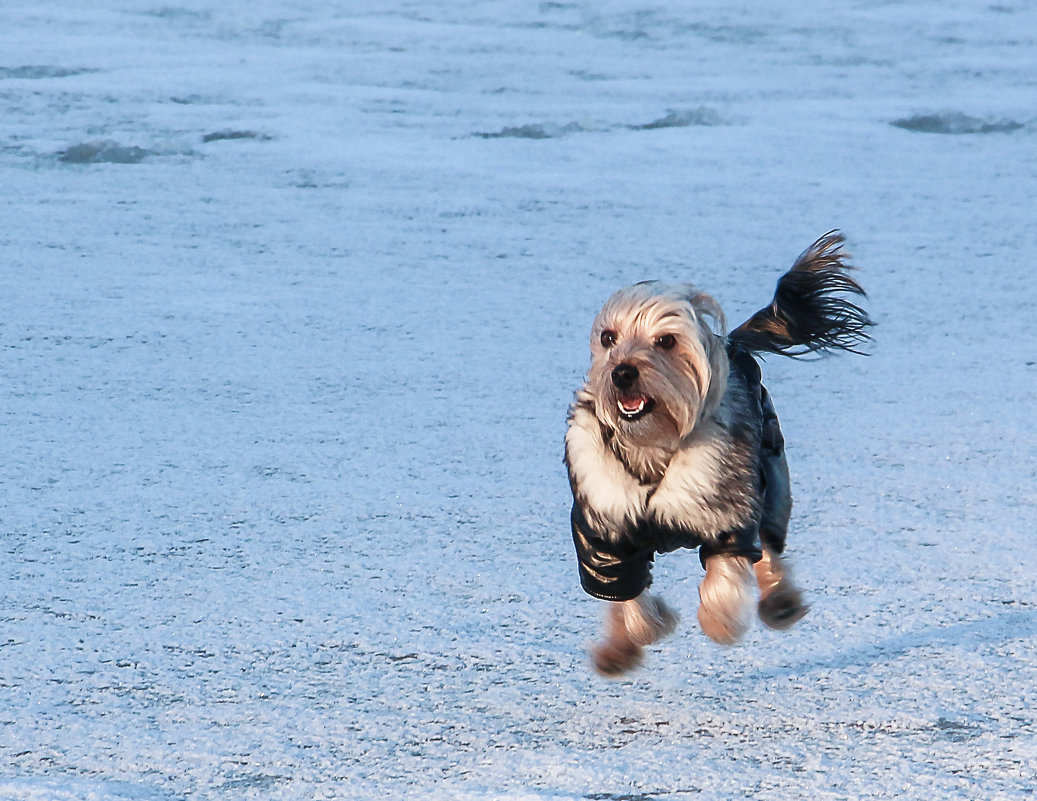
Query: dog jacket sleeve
[[740, 542], [611, 571]]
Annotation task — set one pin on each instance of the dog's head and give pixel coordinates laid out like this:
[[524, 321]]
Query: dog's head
[[658, 362]]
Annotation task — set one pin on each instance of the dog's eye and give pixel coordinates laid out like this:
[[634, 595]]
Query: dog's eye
[[608, 338], [666, 341]]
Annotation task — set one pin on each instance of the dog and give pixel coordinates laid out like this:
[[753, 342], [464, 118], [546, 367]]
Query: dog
[[673, 442]]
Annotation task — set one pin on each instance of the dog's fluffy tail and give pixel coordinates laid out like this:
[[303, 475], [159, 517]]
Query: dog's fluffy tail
[[809, 312]]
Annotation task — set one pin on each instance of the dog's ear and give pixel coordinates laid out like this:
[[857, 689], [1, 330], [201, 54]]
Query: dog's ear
[[716, 353], [712, 333], [710, 315]]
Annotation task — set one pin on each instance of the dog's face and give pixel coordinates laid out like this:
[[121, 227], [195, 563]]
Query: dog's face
[[657, 364]]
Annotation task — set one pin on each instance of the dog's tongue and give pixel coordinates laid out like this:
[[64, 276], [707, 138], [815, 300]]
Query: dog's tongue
[[632, 405]]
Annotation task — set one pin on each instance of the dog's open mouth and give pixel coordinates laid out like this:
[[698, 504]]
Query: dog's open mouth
[[635, 407]]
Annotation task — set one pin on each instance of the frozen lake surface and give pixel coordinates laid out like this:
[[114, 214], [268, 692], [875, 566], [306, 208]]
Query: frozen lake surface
[[293, 299]]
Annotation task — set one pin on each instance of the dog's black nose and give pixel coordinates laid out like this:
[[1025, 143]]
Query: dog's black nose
[[624, 375]]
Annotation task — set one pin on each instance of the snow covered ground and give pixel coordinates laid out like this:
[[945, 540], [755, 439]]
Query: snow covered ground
[[293, 298]]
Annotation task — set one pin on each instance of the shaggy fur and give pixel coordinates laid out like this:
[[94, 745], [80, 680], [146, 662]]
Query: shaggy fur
[[665, 448]]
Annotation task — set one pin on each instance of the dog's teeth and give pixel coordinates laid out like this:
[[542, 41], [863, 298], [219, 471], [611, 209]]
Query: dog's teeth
[[637, 410]]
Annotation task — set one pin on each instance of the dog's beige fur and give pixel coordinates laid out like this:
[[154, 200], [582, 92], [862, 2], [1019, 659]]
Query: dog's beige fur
[[691, 376]]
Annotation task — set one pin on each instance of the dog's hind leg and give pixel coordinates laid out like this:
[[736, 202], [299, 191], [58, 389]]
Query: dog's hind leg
[[781, 603], [630, 626]]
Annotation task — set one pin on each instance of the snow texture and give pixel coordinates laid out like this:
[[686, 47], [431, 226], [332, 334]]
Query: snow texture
[[293, 299]]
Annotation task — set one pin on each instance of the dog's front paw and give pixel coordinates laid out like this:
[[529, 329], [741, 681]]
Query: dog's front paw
[[783, 607], [647, 619], [726, 599], [616, 657], [722, 626]]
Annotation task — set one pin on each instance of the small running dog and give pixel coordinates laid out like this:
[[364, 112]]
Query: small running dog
[[673, 442]]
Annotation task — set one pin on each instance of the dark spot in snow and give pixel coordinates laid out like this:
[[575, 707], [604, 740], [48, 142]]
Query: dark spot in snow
[[682, 119], [102, 151], [954, 122], [551, 130], [40, 71], [216, 136], [536, 130], [177, 13], [954, 731]]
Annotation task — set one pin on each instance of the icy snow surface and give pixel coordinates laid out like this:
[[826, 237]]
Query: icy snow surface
[[294, 296]]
